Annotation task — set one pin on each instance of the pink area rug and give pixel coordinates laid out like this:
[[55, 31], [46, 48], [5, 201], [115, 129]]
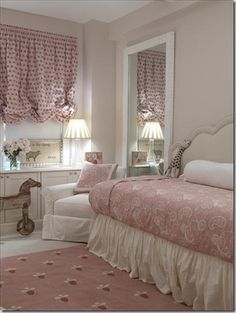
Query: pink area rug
[[75, 279]]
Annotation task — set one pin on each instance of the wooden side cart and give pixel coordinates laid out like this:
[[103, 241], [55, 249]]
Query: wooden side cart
[[23, 199]]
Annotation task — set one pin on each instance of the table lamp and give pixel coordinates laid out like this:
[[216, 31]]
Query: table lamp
[[152, 131], [76, 129]]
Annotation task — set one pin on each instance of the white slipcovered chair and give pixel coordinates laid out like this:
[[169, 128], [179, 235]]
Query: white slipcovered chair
[[68, 216]]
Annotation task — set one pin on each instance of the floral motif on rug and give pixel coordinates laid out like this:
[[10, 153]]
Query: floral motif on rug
[[75, 279]]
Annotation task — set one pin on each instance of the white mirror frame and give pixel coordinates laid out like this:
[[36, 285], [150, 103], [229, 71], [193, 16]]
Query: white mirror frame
[[2, 138], [167, 39]]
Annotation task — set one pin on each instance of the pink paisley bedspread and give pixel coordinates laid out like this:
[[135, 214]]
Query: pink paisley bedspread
[[194, 216]]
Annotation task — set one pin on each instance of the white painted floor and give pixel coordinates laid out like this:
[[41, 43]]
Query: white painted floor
[[16, 244]]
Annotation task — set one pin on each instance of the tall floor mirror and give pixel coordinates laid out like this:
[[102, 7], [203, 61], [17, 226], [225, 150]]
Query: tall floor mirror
[[148, 98]]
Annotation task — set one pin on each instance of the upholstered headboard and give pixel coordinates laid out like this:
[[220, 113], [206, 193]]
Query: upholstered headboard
[[213, 143]]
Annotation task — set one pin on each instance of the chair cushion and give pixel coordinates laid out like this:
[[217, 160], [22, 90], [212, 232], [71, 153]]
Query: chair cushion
[[75, 206]]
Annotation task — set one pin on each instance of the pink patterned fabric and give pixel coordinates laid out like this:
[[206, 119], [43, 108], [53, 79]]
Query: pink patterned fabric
[[194, 216], [93, 174], [38, 73], [151, 82]]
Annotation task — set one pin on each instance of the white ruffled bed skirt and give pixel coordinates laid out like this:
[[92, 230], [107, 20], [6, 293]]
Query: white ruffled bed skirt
[[202, 281]]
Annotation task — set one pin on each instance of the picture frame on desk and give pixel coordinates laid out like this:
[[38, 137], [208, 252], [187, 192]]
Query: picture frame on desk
[[44, 152], [139, 157], [143, 145], [94, 157]]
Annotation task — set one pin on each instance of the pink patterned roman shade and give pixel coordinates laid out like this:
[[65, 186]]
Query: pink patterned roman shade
[[37, 75], [151, 80]]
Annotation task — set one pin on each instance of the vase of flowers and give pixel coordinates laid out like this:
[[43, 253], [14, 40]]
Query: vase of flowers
[[13, 149]]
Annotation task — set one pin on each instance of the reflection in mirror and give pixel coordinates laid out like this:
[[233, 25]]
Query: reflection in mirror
[[149, 101]]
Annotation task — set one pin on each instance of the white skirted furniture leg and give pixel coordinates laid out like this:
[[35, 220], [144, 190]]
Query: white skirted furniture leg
[[68, 216]]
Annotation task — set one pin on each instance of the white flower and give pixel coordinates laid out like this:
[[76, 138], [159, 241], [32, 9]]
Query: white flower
[[15, 147], [21, 145], [11, 148], [27, 149]]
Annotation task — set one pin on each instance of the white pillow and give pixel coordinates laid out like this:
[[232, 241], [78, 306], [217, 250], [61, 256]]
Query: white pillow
[[210, 173]]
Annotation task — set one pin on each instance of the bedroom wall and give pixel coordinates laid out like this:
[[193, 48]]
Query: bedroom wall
[[99, 87], [203, 63]]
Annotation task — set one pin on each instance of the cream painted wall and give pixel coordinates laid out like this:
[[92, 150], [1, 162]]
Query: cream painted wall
[[99, 87], [151, 12], [203, 64]]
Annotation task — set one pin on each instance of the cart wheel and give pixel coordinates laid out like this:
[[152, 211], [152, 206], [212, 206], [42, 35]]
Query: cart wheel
[[25, 228]]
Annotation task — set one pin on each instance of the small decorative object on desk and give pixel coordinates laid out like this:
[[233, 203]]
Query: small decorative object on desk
[[14, 148], [139, 157], [94, 157]]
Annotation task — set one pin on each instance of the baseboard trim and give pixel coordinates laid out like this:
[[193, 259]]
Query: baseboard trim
[[10, 228]]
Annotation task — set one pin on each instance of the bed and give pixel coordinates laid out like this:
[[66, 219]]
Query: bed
[[169, 232]]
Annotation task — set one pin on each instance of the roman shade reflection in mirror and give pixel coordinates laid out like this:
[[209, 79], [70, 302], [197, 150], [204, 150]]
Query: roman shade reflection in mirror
[[151, 66]]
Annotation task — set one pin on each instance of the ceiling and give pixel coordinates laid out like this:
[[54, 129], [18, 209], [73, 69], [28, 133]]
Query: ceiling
[[80, 11]]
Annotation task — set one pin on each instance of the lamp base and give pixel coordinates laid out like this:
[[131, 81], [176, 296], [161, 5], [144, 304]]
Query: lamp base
[[75, 153], [151, 158]]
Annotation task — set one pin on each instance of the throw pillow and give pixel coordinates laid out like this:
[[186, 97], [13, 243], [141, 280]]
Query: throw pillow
[[93, 174]]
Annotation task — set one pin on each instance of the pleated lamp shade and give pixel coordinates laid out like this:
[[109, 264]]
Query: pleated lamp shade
[[152, 130], [77, 129]]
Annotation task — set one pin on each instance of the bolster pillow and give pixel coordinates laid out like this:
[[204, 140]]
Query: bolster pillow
[[210, 173]]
